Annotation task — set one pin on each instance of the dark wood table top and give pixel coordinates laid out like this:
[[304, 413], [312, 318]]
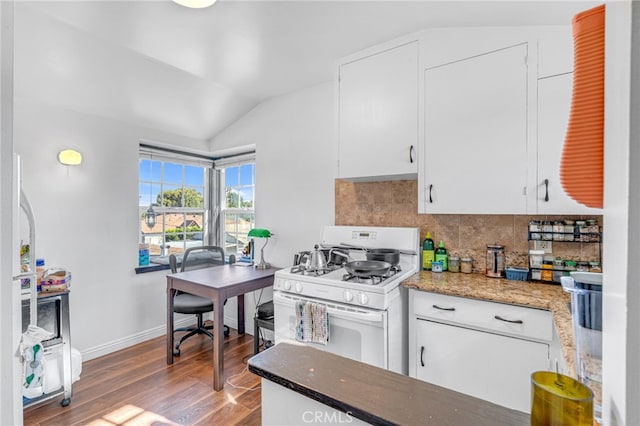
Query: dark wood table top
[[224, 276], [372, 394]]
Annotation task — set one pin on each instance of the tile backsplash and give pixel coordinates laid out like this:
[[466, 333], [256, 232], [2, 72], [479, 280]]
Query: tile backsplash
[[395, 203]]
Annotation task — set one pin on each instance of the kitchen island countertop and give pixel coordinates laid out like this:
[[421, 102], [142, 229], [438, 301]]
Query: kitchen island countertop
[[550, 297], [372, 394]]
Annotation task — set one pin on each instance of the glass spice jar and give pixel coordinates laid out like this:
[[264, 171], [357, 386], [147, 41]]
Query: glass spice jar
[[454, 264], [535, 227], [558, 231], [569, 224], [466, 265]]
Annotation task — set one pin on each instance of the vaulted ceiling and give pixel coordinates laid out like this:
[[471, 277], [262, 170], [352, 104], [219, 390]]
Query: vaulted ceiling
[[193, 72]]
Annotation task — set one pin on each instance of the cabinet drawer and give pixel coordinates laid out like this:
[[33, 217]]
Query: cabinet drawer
[[500, 318]]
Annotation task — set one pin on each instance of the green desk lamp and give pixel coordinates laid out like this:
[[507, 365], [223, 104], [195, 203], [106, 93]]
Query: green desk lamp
[[261, 233]]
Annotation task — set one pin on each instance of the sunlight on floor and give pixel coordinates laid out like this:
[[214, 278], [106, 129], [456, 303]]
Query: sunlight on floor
[[231, 399], [131, 415]]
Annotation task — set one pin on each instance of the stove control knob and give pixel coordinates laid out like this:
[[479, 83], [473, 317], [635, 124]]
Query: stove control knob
[[298, 287], [287, 285], [364, 299], [348, 296]]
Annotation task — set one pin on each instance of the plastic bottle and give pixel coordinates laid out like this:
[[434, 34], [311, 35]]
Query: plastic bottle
[[39, 272], [441, 256], [428, 253]]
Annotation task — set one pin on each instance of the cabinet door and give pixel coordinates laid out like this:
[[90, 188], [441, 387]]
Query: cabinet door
[[475, 134], [378, 114], [485, 365], [554, 106]]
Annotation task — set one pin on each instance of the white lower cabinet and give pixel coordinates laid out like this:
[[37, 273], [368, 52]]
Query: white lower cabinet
[[483, 349], [485, 365]]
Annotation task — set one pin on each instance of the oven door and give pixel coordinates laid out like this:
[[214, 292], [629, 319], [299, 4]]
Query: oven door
[[354, 332]]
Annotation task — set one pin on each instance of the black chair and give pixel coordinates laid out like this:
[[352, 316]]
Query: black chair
[[187, 303], [262, 319]]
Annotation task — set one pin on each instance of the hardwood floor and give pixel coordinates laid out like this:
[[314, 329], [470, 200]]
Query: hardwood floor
[[135, 386]]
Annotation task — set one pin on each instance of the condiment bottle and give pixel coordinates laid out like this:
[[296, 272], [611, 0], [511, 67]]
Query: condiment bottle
[[428, 252], [441, 256]]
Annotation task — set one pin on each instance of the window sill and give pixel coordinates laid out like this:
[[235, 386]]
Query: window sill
[[151, 268], [161, 263]]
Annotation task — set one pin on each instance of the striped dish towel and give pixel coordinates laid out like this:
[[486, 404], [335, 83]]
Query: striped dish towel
[[312, 323]]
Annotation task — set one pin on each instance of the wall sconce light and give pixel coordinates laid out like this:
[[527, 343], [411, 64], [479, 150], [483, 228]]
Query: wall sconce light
[[195, 4], [70, 157]]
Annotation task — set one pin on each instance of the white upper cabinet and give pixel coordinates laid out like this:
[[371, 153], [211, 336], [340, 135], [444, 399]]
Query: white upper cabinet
[[378, 113], [554, 105], [474, 151], [555, 51]]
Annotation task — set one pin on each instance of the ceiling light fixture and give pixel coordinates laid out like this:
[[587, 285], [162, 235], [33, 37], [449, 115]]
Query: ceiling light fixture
[[70, 157], [195, 4]]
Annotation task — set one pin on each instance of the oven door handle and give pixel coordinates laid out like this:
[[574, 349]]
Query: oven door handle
[[332, 309]]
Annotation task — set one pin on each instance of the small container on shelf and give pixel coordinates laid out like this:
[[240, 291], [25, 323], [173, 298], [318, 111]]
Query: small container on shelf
[[466, 265], [558, 231], [582, 266], [535, 229], [558, 269], [436, 266], [569, 225], [547, 270], [535, 258], [454, 264], [517, 273], [569, 266], [594, 267], [579, 230], [547, 230]]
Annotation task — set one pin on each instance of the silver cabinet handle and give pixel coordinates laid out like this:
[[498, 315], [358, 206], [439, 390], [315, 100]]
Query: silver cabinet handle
[[444, 309], [498, 317], [422, 355]]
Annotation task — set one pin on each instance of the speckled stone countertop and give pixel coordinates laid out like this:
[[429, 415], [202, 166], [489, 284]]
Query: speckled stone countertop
[[476, 286]]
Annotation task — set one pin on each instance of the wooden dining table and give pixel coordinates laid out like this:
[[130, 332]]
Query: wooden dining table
[[217, 283]]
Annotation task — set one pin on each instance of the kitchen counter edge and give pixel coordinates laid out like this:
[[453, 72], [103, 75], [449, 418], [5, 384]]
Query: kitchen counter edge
[[373, 394], [549, 297]]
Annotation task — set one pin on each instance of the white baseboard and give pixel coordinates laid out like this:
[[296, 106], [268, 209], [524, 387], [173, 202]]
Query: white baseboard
[[143, 336]]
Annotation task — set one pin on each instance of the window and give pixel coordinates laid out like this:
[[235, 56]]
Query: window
[[177, 187], [238, 200]]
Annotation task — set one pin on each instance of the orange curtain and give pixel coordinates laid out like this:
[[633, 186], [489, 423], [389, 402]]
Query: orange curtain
[[582, 163]]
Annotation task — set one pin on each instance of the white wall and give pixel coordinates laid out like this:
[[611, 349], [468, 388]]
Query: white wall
[[87, 220], [296, 164]]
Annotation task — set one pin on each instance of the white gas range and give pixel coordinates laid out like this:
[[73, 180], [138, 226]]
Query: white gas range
[[367, 316]]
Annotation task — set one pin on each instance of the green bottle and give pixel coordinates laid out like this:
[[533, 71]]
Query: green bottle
[[441, 255], [428, 253]]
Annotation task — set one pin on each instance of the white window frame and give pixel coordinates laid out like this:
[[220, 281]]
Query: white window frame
[[168, 156], [221, 165]]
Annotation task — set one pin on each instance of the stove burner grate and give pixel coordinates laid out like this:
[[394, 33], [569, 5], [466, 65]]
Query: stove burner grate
[[301, 269], [371, 279]]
